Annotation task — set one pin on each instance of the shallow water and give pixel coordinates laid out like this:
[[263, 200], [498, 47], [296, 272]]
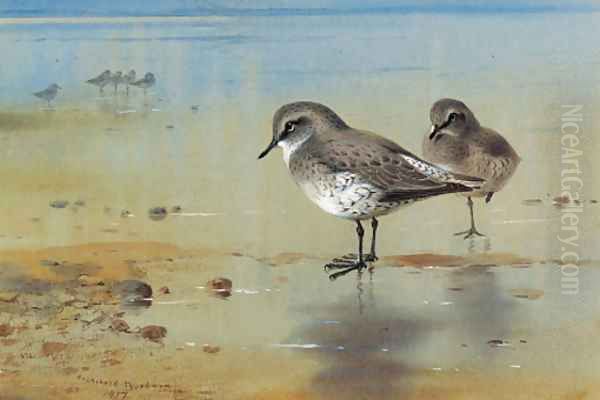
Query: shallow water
[[468, 319]]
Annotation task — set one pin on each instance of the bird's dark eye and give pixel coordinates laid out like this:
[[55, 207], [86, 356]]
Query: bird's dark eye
[[452, 116], [290, 126]]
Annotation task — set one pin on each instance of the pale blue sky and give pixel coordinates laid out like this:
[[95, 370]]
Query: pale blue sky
[[153, 7]]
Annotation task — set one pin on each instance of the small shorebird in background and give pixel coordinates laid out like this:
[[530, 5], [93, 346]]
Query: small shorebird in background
[[461, 145], [116, 79], [129, 79], [101, 80], [146, 82], [354, 174], [48, 94]]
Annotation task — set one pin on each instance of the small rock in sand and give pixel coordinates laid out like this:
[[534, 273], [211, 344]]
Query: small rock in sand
[[164, 290], [157, 213], [126, 214], [87, 280], [51, 348], [59, 203], [6, 330], [119, 325], [220, 286], [154, 333], [8, 297], [176, 209], [134, 292], [211, 349]]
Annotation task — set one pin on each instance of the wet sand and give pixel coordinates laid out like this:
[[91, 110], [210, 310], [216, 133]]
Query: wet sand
[[419, 332]]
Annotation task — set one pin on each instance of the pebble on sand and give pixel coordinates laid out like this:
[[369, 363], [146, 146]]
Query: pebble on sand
[[157, 213], [59, 204], [220, 286], [6, 330], [119, 325], [207, 348], [154, 333]]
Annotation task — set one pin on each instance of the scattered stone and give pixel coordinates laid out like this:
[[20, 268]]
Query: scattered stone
[[195, 107], [523, 341], [79, 203], [560, 201], [529, 294], [50, 263], [51, 348], [6, 330], [119, 325], [59, 204], [532, 202], [170, 127], [176, 209], [164, 290], [456, 289], [87, 280], [498, 343], [237, 254], [157, 213], [126, 214], [211, 349], [8, 297], [220, 286], [134, 292], [594, 201], [154, 333]]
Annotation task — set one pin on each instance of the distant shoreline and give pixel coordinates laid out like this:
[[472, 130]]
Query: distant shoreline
[[60, 14]]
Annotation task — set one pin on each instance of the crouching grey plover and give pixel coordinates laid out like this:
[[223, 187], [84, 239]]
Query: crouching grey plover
[[101, 80], [458, 143], [48, 94], [354, 174], [146, 82]]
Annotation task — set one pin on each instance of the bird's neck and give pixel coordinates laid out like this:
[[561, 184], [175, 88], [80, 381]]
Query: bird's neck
[[293, 144]]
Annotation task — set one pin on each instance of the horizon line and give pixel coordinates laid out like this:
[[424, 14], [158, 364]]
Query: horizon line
[[294, 11]]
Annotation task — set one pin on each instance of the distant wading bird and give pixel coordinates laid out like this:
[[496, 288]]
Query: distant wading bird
[[48, 94], [101, 80], [146, 82], [129, 79], [354, 174], [116, 79], [461, 145]]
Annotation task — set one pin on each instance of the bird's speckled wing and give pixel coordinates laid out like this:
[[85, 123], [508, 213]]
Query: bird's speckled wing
[[384, 164]]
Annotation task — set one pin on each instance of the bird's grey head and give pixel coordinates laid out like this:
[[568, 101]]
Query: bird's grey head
[[118, 73], [149, 76], [106, 73], [295, 122], [452, 117], [54, 86]]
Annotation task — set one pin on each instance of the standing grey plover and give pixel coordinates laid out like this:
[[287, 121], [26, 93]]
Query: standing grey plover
[[460, 144], [49, 93], [146, 82], [354, 174], [129, 79], [101, 80]]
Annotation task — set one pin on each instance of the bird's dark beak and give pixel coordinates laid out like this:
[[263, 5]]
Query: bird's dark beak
[[270, 147], [436, 128], [434, 131]]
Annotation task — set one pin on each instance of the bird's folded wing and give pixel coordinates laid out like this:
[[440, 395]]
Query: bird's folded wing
[[384, 164]]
